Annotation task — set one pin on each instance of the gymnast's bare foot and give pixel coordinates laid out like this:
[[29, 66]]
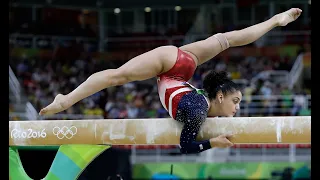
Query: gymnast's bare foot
[[288, 16], [56, 106]]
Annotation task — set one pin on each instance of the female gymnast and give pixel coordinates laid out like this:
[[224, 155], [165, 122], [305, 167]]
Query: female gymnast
[[173, 67]]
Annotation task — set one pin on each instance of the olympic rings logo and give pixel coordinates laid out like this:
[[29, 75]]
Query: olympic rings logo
[[65, 132]]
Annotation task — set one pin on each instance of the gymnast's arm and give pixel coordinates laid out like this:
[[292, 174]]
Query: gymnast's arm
[[206, 49], [190, 130], [188, 143]]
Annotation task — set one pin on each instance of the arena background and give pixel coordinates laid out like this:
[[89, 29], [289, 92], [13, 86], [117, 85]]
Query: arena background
[[55, 45]]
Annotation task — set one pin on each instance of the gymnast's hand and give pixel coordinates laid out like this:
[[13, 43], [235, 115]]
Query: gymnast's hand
[[288, 16], [222, 141], [59, 104]]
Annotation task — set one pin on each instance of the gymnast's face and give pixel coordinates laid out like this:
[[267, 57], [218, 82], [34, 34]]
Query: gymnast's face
[[229, 104]]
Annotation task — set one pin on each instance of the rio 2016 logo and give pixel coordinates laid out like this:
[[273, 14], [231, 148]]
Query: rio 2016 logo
[[28, 134], [65, 132]]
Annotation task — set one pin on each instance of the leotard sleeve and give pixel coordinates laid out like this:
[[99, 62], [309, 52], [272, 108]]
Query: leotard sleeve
[[192, 112]]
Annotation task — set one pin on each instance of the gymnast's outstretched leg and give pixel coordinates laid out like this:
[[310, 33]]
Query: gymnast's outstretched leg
[[142, 67]]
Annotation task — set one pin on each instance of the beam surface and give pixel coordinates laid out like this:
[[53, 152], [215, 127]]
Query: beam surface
[[164, 131]]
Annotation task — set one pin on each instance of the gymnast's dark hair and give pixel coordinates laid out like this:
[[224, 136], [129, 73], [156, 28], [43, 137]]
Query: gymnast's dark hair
[[219, 81]]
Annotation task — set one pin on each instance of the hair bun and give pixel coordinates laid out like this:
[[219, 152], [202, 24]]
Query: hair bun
[[214, 79], [220, 76]]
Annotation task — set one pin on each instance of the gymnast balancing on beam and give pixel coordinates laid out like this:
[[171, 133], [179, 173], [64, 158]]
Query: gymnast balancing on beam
[[173, 67]]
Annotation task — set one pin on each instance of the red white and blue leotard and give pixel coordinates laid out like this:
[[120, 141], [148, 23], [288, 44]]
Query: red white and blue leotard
[[170, 84], [184, 102]]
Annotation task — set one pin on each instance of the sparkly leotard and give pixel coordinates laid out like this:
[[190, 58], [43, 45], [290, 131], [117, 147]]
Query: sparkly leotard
[[184, 102]]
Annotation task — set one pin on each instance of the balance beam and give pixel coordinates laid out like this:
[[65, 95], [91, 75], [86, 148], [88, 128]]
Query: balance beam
[[164, 131]]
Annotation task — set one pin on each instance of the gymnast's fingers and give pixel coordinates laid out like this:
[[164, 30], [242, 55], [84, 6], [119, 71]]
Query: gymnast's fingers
[[229, 136], [227, 142]]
